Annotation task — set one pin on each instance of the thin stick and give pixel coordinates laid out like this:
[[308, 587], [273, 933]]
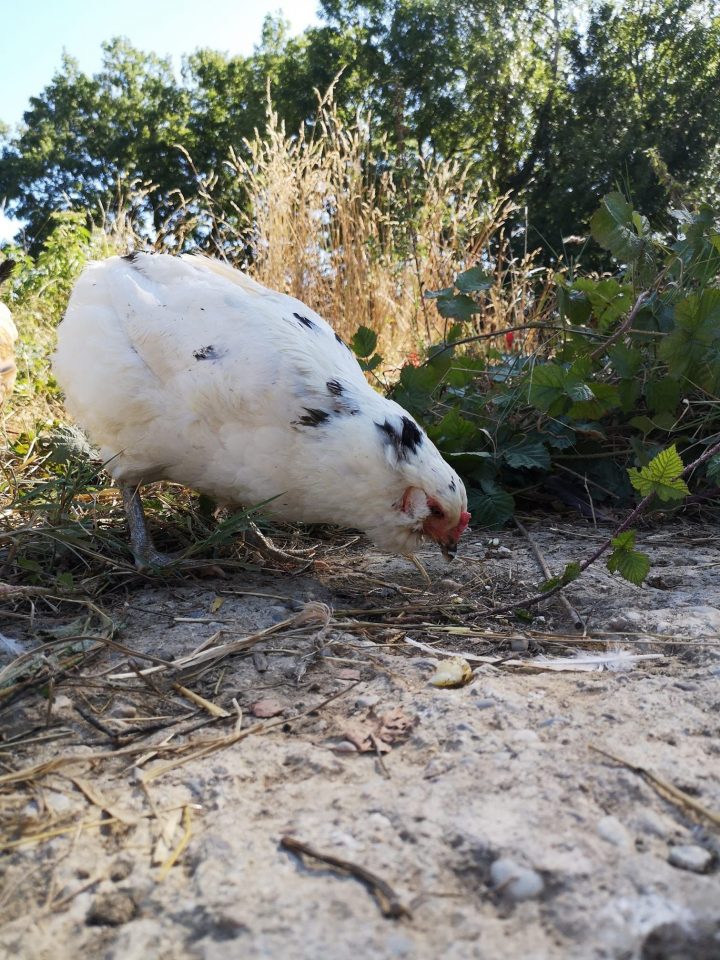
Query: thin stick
[[381, 891], [577, 620], [622, 329], [664, 787]]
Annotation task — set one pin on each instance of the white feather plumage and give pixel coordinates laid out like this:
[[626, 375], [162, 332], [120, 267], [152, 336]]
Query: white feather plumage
[[8, 336], [185, 369]]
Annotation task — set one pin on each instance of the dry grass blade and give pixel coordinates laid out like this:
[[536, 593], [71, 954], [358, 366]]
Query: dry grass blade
[[184, 841]]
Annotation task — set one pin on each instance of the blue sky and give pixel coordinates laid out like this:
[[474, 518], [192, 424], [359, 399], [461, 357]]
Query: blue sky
[[34, 34]]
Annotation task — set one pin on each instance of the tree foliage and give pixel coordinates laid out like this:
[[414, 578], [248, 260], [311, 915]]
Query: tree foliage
[[552, 101]]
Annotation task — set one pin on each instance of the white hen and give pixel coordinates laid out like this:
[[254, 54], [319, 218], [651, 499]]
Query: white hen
[[8, 336], [187, 370]]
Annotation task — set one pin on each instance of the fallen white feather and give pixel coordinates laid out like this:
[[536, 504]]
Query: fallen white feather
[[583, 662]]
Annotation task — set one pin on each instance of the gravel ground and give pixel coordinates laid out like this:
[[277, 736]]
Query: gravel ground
[[487, 809]]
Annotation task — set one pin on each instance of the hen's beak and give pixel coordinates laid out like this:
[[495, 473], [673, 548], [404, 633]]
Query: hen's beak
[[449, 550]]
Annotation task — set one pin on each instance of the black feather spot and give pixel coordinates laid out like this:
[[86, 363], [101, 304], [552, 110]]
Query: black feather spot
[[206, 353], [451, 486], [411, 438], [342, 342], [132, 257], [313, 418], [405, 441], [334, 388], [305, 321]]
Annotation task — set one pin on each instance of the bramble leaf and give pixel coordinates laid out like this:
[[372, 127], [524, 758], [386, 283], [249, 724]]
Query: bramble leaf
[[474, 279], [457, 306], [530, 453], [363, 342], [661, 476], [570, 573], [631, 564]]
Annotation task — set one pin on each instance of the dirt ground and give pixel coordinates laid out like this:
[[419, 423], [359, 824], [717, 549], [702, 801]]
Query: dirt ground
[[498, 828]]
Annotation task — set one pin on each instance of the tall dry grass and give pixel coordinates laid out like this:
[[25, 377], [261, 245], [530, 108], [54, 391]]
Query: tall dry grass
[[329, 217]]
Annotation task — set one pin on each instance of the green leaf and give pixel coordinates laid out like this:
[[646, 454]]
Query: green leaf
[[574, 305], [690, 350], [612, 226], [529, 453], [547, 386], [626, 361], [453, 432], [457, 306], [490, 509], [615, 228], [578, 391], [713, 467], [663, 396], [605, 398], [570, 573], [474, 279], [364, 342], [609, 299], [661, 476], [625, 560], [370, 364]]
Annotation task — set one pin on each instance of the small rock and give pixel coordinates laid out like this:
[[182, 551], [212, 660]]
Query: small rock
[[519, 644], [347, 673], [266, 708], [485, 703], [367, 700], [650, 822], [260, 661], [447, 584], [504, 552], [679, 941], [515, 882], [610, 829], [111, 910], [690, 857]]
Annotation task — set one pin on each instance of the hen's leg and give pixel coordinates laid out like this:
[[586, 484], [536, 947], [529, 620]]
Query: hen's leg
[[146, 556]]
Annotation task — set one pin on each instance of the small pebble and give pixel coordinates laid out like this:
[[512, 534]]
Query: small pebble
[[485, 703], [504, 551], [519, 644], [367, 700], [447, 584], [515, 882], [266, 708], [610, 829], [111, 910], [690, 857], [260, 661]]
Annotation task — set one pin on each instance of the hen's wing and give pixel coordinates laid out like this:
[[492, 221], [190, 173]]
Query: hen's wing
[[158, 354]]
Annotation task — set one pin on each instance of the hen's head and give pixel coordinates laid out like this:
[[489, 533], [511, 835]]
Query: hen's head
[[428, 499]]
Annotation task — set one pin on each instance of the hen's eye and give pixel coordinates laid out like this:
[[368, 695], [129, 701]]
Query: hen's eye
[[436, 512]]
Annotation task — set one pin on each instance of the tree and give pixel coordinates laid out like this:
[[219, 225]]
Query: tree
[[85, 139]]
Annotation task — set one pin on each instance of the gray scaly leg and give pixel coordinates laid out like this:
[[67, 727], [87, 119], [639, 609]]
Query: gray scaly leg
[[146, 556]]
